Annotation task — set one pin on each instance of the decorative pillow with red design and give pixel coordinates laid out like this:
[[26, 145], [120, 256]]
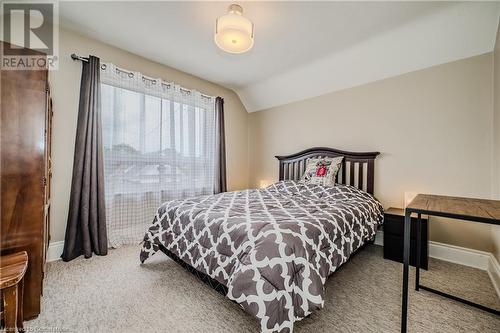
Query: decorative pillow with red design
[[322, 171]]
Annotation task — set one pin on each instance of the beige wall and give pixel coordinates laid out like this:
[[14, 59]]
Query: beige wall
[[65, 84], [433, 128], [496, 140]]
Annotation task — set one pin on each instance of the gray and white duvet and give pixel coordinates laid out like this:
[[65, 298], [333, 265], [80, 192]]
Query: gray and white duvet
[[273, 248]]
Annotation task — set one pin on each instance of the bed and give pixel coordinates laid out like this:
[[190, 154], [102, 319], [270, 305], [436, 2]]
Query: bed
[[271, 250]]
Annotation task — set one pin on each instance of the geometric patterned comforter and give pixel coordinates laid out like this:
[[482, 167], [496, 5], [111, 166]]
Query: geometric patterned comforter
[[273, 248]]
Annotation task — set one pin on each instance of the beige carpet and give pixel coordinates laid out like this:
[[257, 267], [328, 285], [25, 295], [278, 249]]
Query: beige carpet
[[116, 294]]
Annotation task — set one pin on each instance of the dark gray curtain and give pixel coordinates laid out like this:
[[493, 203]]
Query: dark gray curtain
[[86, 226], [220, 147]]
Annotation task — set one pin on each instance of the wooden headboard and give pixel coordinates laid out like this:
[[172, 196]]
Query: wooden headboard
[[357, 168]]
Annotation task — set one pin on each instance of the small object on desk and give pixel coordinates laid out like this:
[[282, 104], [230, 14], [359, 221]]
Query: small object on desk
[[468, 209], [12, 269], [394, 221]]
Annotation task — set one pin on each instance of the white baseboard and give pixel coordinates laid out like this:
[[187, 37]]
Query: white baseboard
[[55, 251], [460, 255], [379, 238], [494, 273]]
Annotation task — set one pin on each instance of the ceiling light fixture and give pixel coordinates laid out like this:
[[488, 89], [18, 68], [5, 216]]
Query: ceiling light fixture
[[233, 31]]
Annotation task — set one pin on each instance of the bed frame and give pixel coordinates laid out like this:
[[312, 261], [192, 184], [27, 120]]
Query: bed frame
[[212, 283], [357, 169]]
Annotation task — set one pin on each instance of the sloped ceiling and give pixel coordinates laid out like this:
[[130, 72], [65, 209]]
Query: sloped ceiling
[[302, 49]]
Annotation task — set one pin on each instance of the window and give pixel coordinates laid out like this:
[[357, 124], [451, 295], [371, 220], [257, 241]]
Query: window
[[159, 145]]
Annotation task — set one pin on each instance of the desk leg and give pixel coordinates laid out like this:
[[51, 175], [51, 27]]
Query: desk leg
[[20, 313], [406, 262], [419, 237], [10, 308]]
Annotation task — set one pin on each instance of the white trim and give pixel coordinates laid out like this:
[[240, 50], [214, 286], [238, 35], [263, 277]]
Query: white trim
[[494, 273], [55, 251], [379, 238], [461, 255]]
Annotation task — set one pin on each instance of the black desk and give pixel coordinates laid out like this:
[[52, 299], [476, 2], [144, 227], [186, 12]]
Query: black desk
[[474, 210]]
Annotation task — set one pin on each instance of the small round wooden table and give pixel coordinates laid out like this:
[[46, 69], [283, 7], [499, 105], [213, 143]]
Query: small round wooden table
[[12, 269]]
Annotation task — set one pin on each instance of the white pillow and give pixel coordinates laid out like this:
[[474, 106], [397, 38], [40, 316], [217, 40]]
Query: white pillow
[[322, 171]]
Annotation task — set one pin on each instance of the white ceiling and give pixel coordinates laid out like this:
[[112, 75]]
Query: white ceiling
[[302, 49]]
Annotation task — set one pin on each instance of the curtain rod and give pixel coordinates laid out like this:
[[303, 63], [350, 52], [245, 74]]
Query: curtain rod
[[76, 57]]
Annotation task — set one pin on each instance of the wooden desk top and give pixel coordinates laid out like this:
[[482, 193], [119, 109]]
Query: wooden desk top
[[477, 210], [12, 268]]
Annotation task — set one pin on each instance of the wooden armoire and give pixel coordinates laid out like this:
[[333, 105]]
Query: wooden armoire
[[26, 118]]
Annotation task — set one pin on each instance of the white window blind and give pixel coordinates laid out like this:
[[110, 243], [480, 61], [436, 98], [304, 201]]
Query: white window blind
[[159, 145]]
